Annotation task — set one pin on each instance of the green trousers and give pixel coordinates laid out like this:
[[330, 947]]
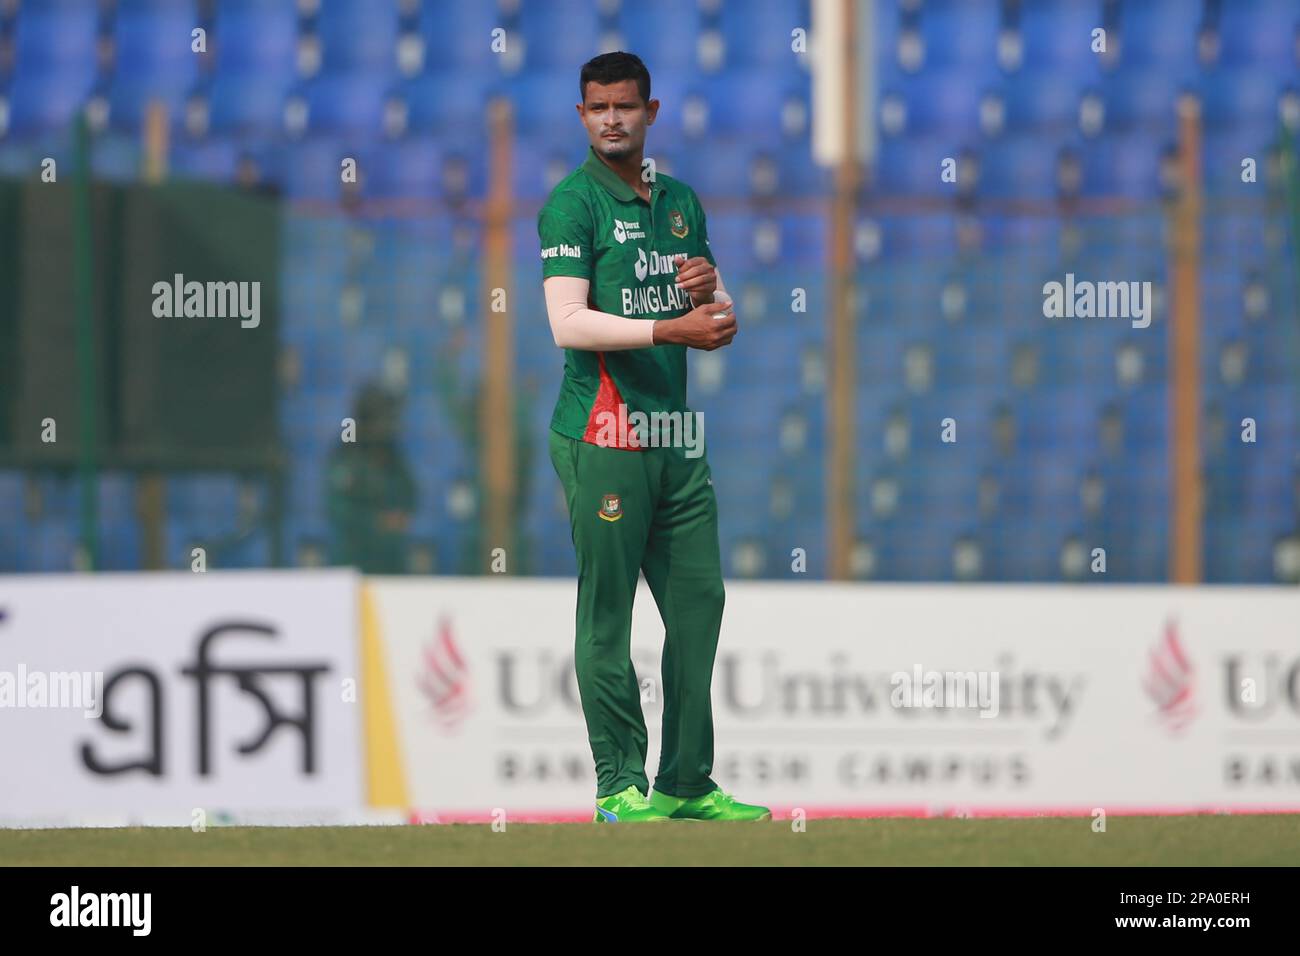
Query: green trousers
[[654, 512]]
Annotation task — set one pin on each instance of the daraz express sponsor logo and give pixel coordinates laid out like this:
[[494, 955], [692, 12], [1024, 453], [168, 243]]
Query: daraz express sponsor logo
[[624, 230], [562, 251], [764, 687]]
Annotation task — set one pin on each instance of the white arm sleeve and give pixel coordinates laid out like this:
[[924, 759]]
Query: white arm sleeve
[[575, 326]]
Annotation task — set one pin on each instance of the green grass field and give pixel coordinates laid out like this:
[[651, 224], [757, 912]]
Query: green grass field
[[1129, 841]]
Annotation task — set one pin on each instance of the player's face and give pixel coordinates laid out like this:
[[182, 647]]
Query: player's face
[[616, 118]]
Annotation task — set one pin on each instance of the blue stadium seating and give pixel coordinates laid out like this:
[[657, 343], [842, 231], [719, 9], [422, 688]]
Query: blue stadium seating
[[54, 53], [153, 59], [947, 274], [358, 36], [557, 35], [458, 37]]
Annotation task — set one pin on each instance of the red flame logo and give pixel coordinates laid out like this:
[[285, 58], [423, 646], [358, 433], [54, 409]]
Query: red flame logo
[[1169, 681], [445, 679]]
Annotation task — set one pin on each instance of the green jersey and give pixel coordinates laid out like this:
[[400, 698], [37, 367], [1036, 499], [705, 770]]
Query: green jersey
[[594, 226]]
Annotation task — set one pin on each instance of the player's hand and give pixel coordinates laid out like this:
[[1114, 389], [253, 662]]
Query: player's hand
[[708, 327], [697, 278]]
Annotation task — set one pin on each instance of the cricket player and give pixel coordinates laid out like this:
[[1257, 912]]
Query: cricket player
[[630, 285]]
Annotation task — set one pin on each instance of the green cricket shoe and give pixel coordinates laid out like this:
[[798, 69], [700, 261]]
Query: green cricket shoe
[[712, 806], [629, 806]]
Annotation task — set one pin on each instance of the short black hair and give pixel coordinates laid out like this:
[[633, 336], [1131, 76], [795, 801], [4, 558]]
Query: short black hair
[[611, 68]]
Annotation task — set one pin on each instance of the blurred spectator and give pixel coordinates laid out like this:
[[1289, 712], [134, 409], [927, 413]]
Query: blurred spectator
[[371, 492], [461, 401]]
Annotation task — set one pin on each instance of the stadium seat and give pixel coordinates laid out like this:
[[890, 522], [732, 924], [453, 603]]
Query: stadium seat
[[54, 65], [358, 36], [558, 36], [154, 60], [458, 36]]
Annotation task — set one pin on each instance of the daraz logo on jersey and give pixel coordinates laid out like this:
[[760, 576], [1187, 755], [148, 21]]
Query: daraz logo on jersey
[[624, 231], [653, 299], [655, 265]]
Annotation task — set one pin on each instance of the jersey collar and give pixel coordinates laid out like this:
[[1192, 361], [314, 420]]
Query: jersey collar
[[598, 171]]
